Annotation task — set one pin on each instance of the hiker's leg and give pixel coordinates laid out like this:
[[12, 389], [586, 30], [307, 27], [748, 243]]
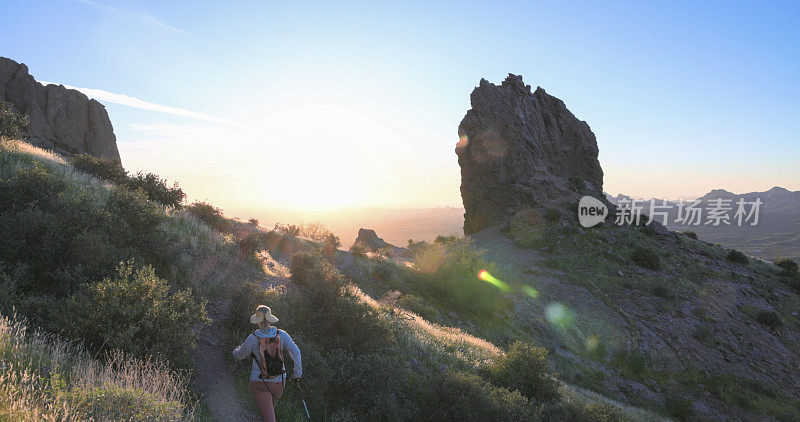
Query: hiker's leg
[[263, 398], [276, 389]]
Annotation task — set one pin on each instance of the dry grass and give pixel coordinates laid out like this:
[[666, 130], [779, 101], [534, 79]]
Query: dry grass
[[43, 378]]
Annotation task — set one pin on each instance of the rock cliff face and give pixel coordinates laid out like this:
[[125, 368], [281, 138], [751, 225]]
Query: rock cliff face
[[60, 118], [520, 149]]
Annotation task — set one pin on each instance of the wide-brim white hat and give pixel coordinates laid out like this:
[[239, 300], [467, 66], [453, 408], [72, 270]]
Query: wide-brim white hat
[[263, 312]]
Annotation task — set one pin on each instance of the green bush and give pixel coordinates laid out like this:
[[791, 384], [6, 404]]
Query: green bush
[[456, 395], [524, 368], [418, 306], [154, 187], [210, 215], [157, 189], [108, 170], [134, 311], [12, 124], [304, 266], [646, 258], [769, 319], [787, 264], [737, 257]]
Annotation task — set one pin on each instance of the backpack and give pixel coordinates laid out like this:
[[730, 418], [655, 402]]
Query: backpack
[[270, 353]]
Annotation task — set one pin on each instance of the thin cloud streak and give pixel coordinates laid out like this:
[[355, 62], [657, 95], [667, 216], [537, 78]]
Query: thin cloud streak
[[122, 99], [113, 11]]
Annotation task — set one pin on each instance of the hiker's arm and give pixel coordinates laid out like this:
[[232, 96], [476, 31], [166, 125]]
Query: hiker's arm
[[246, 348], [294, 352]]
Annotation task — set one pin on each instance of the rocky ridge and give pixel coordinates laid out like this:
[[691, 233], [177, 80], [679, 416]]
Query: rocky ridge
[[61, 119]]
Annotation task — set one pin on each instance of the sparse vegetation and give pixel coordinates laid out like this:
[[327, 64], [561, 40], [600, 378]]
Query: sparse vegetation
[[12, 124], [690, 234]]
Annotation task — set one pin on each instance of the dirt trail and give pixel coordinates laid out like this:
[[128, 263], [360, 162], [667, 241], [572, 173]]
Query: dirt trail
[[214, 374]]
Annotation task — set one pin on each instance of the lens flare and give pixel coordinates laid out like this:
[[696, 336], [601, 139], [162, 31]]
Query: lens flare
[[558, 314], [485, 276], [530, 291]]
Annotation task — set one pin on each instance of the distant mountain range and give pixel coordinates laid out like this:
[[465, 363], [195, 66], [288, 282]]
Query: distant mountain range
[[775, 236]]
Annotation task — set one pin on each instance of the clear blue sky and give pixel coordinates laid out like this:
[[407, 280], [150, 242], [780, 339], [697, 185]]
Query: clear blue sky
[[330, 104]]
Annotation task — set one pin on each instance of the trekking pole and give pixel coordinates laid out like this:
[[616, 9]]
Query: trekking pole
[[308, 415]]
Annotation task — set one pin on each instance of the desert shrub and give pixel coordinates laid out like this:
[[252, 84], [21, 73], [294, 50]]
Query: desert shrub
[[552, 215], [646, 258], [134, 311], [304, 266], [210, 215], [418, 306], [769, 319], [634, 363], [445, 240], [157, 189], [663, 292], [787, 264], [456, 395], [737, 257], [600, 412], [290, 229], [101, 168], [701, 332], [383, 272], [154, 187], [678, 407], [690, 234], [358, 251], [449, 274], [524, 368], [416, 247], [331, 243], [12, 124]]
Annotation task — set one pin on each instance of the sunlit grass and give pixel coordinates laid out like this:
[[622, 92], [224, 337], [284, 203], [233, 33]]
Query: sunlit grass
[[43, 378]]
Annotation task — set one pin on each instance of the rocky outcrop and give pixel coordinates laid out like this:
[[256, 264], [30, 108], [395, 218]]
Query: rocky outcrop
[[369, 241], [520, 149], [59, 118]]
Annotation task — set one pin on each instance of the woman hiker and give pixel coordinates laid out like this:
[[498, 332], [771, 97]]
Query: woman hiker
[[267, 376]]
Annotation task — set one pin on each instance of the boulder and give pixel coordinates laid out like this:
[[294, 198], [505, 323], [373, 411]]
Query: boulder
[[520, 149], [59, 118]]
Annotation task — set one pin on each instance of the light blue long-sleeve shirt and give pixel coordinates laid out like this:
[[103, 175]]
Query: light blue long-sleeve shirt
[[250, 348]]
